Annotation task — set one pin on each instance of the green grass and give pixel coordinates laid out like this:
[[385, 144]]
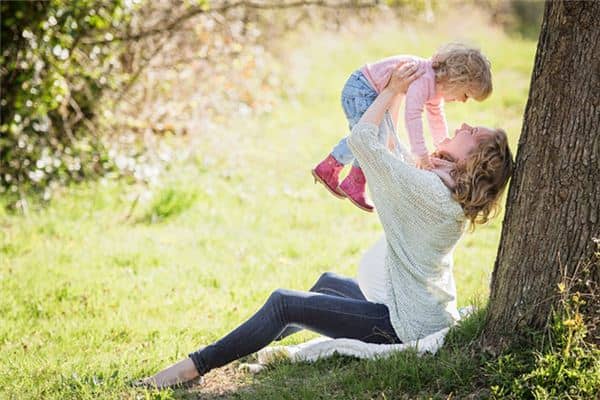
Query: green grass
[[92, 297], [169, 203]]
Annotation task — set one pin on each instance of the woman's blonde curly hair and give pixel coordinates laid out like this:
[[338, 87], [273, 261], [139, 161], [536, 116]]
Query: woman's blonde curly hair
[[481, 179], [459, 67]]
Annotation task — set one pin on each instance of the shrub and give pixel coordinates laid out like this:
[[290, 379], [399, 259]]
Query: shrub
[[52, 82]]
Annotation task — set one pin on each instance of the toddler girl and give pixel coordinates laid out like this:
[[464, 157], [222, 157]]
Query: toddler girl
[[455, 73]]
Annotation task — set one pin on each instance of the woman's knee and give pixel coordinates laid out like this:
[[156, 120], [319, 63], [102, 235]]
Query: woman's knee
[[278, 296], [325, 278], [279, 303]]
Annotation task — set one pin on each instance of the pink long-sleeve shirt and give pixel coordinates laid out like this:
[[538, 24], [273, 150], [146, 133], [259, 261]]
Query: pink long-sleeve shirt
[[421, 94]]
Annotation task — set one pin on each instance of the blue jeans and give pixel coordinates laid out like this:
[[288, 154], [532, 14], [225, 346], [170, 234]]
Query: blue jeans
[[334, 307], [357, 96]]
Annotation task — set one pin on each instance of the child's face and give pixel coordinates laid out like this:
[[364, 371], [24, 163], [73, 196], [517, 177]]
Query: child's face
[[457, 94], [465, 140]]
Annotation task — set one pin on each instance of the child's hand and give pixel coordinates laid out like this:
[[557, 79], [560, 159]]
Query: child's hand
[[424, 162]]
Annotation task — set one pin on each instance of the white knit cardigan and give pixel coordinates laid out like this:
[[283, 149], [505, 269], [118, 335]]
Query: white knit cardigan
[[422, 224]]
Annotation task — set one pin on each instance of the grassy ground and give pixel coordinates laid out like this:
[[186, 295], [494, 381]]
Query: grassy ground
[[91, 299]]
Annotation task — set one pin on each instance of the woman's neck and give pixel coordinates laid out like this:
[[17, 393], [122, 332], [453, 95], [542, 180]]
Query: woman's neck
[[443, 168]]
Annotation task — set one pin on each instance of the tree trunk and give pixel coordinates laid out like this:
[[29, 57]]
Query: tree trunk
[[553, 205]]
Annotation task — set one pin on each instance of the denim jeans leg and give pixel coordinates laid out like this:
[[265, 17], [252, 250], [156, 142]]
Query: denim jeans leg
[[334, 285], [332, 316], [342, 153]]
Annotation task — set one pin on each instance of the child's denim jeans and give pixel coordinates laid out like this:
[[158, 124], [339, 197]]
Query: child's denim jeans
[[357, 96], [334, 307]]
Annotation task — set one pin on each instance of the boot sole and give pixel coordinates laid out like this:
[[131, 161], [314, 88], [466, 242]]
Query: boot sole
[[369, 210], [333, 192]]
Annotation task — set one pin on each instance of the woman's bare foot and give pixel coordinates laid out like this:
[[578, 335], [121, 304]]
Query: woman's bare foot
[[177, 374]]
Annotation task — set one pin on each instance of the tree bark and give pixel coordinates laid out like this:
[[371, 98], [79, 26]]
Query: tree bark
[[553, 204]]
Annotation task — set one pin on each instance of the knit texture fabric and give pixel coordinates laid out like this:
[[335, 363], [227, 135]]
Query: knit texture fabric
[[422, 224]]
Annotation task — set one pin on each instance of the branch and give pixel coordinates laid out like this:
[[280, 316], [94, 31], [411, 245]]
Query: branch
[[184, 60], [136, 75], [173, 25]]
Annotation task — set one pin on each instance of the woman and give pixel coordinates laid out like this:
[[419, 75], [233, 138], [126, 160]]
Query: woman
[[410, 293]]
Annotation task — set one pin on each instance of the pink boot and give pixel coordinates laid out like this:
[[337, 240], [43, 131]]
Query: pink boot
[[328, 173], [354, 188]]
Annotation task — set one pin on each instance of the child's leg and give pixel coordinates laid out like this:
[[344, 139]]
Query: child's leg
[[354, 185], [357, 96], [342, 153]]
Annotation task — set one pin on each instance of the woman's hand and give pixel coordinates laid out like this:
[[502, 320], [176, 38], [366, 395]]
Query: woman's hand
[[424, 162], [403, 76], [398, 84]]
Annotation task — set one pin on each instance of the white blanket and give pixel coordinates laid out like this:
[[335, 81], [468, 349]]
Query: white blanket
[[323, 347]]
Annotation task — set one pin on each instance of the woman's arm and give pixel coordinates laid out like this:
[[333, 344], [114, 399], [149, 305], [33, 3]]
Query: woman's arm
[[375, 112], [395, 109]]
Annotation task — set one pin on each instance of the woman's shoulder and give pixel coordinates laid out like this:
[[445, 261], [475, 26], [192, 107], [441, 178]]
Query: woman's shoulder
[[452, 207], [442, 194]]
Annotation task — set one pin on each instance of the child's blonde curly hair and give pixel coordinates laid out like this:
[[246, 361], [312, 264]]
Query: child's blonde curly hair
[[481, 179], [459, 67]]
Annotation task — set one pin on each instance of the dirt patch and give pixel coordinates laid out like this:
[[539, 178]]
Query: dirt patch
[[222, 383]]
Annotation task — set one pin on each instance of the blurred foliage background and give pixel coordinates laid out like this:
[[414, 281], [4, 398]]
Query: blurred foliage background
[[155, 183], [96, 88]]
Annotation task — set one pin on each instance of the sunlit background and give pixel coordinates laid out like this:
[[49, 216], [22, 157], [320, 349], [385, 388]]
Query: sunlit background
[[156, 187]]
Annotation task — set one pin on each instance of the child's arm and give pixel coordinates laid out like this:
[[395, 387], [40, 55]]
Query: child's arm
[[437, 121], [416, 96]]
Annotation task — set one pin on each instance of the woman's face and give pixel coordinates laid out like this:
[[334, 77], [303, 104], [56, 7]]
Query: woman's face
[[465, 139]]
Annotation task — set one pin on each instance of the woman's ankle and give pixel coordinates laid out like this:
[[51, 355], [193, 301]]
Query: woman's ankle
[[177, 374]]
